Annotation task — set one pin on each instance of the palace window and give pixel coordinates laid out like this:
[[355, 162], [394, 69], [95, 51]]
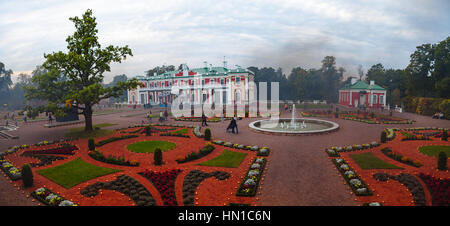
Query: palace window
[[375, 99], [238, 80]]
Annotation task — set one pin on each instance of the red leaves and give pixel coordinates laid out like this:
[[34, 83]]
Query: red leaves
[[165, 184], [439, 189]]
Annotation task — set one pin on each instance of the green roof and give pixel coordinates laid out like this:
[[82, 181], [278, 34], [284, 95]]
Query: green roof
[[362, 85], [215, 71]]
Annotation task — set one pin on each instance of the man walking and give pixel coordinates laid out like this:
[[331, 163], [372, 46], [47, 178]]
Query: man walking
[[204, 120]]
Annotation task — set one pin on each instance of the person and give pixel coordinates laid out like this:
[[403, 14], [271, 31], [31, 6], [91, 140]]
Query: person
[[160, 116], [204, 120], [222, 118], [231, 125], [25, 119], [235, 126], [285, 107], [150, 116], [50, 118], [166, 115], [6, 123]]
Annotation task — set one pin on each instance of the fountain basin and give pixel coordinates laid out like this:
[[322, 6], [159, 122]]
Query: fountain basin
[[283, 126]]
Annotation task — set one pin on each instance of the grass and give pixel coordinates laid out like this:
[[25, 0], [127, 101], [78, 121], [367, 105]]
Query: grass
[[181, 131], [230, 159], [433, 150], [370, 161], [79, 133], [74, 172], [150, 146]]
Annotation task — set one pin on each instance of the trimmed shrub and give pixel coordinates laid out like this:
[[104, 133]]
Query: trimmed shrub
[[383, 137], [442, 161], [148, 131], [27, 175], [157, 157], [444, 135], [207, 134], [91, 144]]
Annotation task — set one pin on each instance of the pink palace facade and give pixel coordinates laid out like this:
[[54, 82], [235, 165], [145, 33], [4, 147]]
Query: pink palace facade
[[358, 93], [199, 84]]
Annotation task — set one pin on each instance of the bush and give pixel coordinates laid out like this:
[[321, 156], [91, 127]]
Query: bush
[[383, 137], [336, 115], [444, 135], [148, 131], [91, 144], [442, 161], [207, 134], [27, 175], [157, 157]]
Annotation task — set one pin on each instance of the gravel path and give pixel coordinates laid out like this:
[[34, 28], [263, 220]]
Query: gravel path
[[299, 172]]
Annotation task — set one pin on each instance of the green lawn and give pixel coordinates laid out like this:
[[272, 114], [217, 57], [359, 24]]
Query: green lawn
[[433, 150], [181, 131], [230, 159], [150, 146], [370, 161], [77, 133], [74, 172]]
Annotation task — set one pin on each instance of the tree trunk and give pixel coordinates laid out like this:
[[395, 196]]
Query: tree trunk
[[88, 118]]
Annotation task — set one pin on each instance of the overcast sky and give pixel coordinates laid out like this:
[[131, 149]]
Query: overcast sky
[[277, 33]]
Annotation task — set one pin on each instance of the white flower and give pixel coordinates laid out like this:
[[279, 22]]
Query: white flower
[[50, 197], [252, 173], [339, 160], [355, 182], [255, 166], [39, 190], [66, 203], [250, 182]]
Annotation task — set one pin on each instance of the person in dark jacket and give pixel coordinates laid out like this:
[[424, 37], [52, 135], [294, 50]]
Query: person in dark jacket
[[204, 120]]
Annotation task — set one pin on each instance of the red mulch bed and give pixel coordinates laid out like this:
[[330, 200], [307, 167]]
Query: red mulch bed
[[393, 193], [211, 192]]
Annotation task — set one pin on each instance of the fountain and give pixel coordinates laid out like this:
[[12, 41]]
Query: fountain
[[292, 126]]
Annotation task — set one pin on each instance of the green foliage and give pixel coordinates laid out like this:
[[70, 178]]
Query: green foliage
[[76, 76], [148, 131], [444, 135], [442, 161], [207, 135], [157, 157], [444, 107], [383, 137], [27, 175], [91, 144]]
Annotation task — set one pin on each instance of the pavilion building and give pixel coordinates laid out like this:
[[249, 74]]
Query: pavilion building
[[358, 93]]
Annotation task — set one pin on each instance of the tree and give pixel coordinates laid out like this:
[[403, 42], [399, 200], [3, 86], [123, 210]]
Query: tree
[[75, 77], [5, 80], [115, 81]]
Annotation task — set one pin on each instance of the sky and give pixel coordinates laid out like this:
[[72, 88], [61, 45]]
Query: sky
[[266, 33]]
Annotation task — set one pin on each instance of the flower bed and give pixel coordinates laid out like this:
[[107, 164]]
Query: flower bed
[[408, 136], [125, 185], [43, 159], [197, 132], [397, 157], [193, 179], [251, 181], [49, 198], [334, 151], [173, 134], [10, 170], [439, 189], [410, 182], [97, 155], [164, 183], [264, 151], [112, 139], [197, 155], [353, 180], [64, 149]]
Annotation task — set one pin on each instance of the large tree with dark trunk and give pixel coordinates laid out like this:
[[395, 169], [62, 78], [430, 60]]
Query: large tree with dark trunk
[[74, 79]]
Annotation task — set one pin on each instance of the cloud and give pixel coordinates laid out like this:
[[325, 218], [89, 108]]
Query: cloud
[[283, 33]]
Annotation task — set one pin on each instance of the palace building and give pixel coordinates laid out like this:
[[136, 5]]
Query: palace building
[[199, 84], [358, 93]]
